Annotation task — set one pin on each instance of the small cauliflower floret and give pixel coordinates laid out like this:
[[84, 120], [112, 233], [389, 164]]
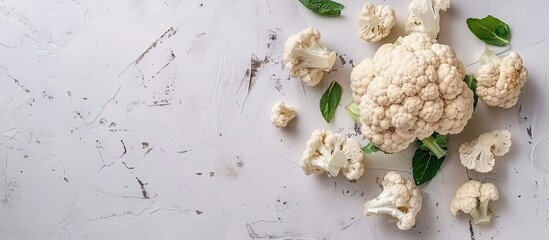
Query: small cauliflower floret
[[400, 199], [281, 114], [305, 58], [473, 198], [375, 22], [424, 16], [409, 90], [479, 153], [332, 153], [500, 81]]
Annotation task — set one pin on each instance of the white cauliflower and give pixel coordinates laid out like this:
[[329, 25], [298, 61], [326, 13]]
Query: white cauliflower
[[424, 16], [473, 198], [400, 199], [305, 58], [281, 114], [410, 91], [332, 153], [375, 22], [500, 81], [479, 153]]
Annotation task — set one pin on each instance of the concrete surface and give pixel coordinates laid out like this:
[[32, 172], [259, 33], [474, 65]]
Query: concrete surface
[[139, 119]]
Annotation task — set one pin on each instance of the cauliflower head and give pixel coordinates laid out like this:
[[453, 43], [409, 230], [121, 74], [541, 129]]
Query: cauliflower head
[[332, 153], [409, 91], [500, 81], [473, 198], [400, 199], [281, 114], [424, 16], [305, 58], [375, 22], [479, 153]]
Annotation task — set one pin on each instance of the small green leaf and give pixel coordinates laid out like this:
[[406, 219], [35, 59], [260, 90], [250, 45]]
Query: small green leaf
[[323, 7], [490, 30], [329, 101], [472, 84], [370, 148], [425, 166], [354, 111]]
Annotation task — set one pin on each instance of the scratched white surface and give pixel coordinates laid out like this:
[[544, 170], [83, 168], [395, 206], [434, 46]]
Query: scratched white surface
[[135, 119]]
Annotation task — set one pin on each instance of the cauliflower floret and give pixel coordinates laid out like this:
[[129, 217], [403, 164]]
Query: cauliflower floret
[[375, 22], [479, 153], [500, 81], [361, 76], [473, 198], [424, 16], [281, 114], [305, 58], [400, 198], [410, 91], [332, 153]]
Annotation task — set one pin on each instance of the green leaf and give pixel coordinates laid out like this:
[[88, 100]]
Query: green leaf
[[425, 166], [370, 148], [490, 30], [428, 157], [353, 110], [323, 7], [329, 101], [472, 84]]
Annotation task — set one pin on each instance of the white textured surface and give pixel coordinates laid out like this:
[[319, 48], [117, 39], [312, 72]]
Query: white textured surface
[[135, 120]]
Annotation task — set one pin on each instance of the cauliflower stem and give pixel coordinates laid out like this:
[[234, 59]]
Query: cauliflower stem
[[375, 22], [435, 143], [425, 16], [473, 198], [489, 56], [332, 160], [315, 57], [479, 154], [399, 199], [332, 153], [384, 204], [305, 58], [482, 214], [428, 17], [354, 111]]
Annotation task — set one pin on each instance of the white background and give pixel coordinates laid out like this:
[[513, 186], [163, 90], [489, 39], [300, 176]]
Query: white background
[[136, 119]]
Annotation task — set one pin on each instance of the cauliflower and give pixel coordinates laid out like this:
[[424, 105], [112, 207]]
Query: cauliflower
[[305, 59], [479, 153], [424, 16], [332, 153], [410, 91], [375, 22], [473, 198], [500, 81], [281, 114], [400, 198]]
